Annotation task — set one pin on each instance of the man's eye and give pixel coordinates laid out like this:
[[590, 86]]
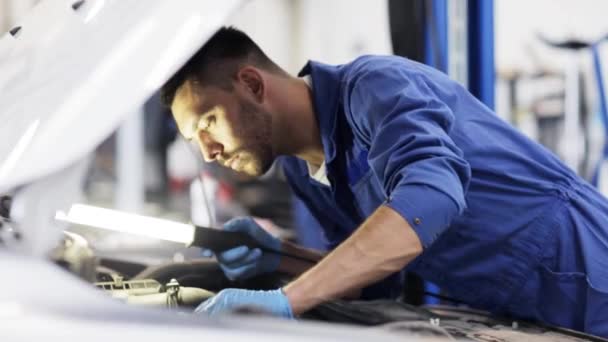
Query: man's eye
[[206, 122]]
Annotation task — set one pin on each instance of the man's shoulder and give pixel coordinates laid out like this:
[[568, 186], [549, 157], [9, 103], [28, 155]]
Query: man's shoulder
[[371, 60], [349, 73], [382, 63], [371, 72], [377, 72]]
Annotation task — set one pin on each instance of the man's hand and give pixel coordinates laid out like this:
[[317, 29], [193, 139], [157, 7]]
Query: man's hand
[[243, 262], [274, 302]]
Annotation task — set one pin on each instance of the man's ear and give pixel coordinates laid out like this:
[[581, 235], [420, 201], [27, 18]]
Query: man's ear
[[252, 80]]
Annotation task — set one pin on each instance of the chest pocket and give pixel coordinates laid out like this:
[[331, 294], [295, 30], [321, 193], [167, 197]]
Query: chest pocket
[[364, 184]]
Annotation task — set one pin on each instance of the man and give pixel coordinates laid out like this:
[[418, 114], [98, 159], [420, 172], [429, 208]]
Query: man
[[405, 170]]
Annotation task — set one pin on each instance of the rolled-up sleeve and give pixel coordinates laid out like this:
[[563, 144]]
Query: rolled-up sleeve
[[406, 126]]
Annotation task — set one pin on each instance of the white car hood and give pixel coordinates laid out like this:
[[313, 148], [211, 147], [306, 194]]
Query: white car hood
[[71, 76]]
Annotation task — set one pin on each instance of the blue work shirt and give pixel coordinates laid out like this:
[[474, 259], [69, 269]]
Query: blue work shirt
[[505, 226]]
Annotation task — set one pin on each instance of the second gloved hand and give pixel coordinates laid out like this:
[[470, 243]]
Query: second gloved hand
[[273, 302], [243, 262]]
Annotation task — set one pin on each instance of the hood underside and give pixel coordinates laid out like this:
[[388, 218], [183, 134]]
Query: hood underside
[[75, 69]]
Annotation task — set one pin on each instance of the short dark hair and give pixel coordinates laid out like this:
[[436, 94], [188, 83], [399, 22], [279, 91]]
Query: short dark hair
[[218, 61]]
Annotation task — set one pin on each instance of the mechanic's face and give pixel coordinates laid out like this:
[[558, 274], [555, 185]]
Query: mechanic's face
[[228, 126]]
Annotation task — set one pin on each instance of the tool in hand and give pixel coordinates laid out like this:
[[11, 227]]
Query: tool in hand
[[214, 239]]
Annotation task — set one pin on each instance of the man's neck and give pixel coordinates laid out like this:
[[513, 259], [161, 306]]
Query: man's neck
[[297, 127]]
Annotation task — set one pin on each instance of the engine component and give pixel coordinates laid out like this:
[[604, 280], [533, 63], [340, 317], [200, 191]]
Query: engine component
[[8, 232], [457, 323], [75, 254], [149, 292], [5, 206]]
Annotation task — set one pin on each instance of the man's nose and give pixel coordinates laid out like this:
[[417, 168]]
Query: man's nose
[[210, 148]]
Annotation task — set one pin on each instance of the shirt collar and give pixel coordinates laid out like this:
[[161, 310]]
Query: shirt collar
[[326, 92]]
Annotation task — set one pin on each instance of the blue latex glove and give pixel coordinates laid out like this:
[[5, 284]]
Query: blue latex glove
[[243, 262], [274, 302]]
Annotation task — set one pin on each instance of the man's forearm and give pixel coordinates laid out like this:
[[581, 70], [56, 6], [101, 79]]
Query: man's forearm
[[296, 267], [383, 244]]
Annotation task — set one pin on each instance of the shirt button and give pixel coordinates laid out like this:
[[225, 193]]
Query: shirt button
[[417, 221]]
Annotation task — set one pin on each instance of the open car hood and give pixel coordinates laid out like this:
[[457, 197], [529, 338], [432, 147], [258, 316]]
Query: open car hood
[[75, 69]]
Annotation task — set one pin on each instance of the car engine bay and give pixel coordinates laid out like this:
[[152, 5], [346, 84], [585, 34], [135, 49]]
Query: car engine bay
[[182, 286]]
